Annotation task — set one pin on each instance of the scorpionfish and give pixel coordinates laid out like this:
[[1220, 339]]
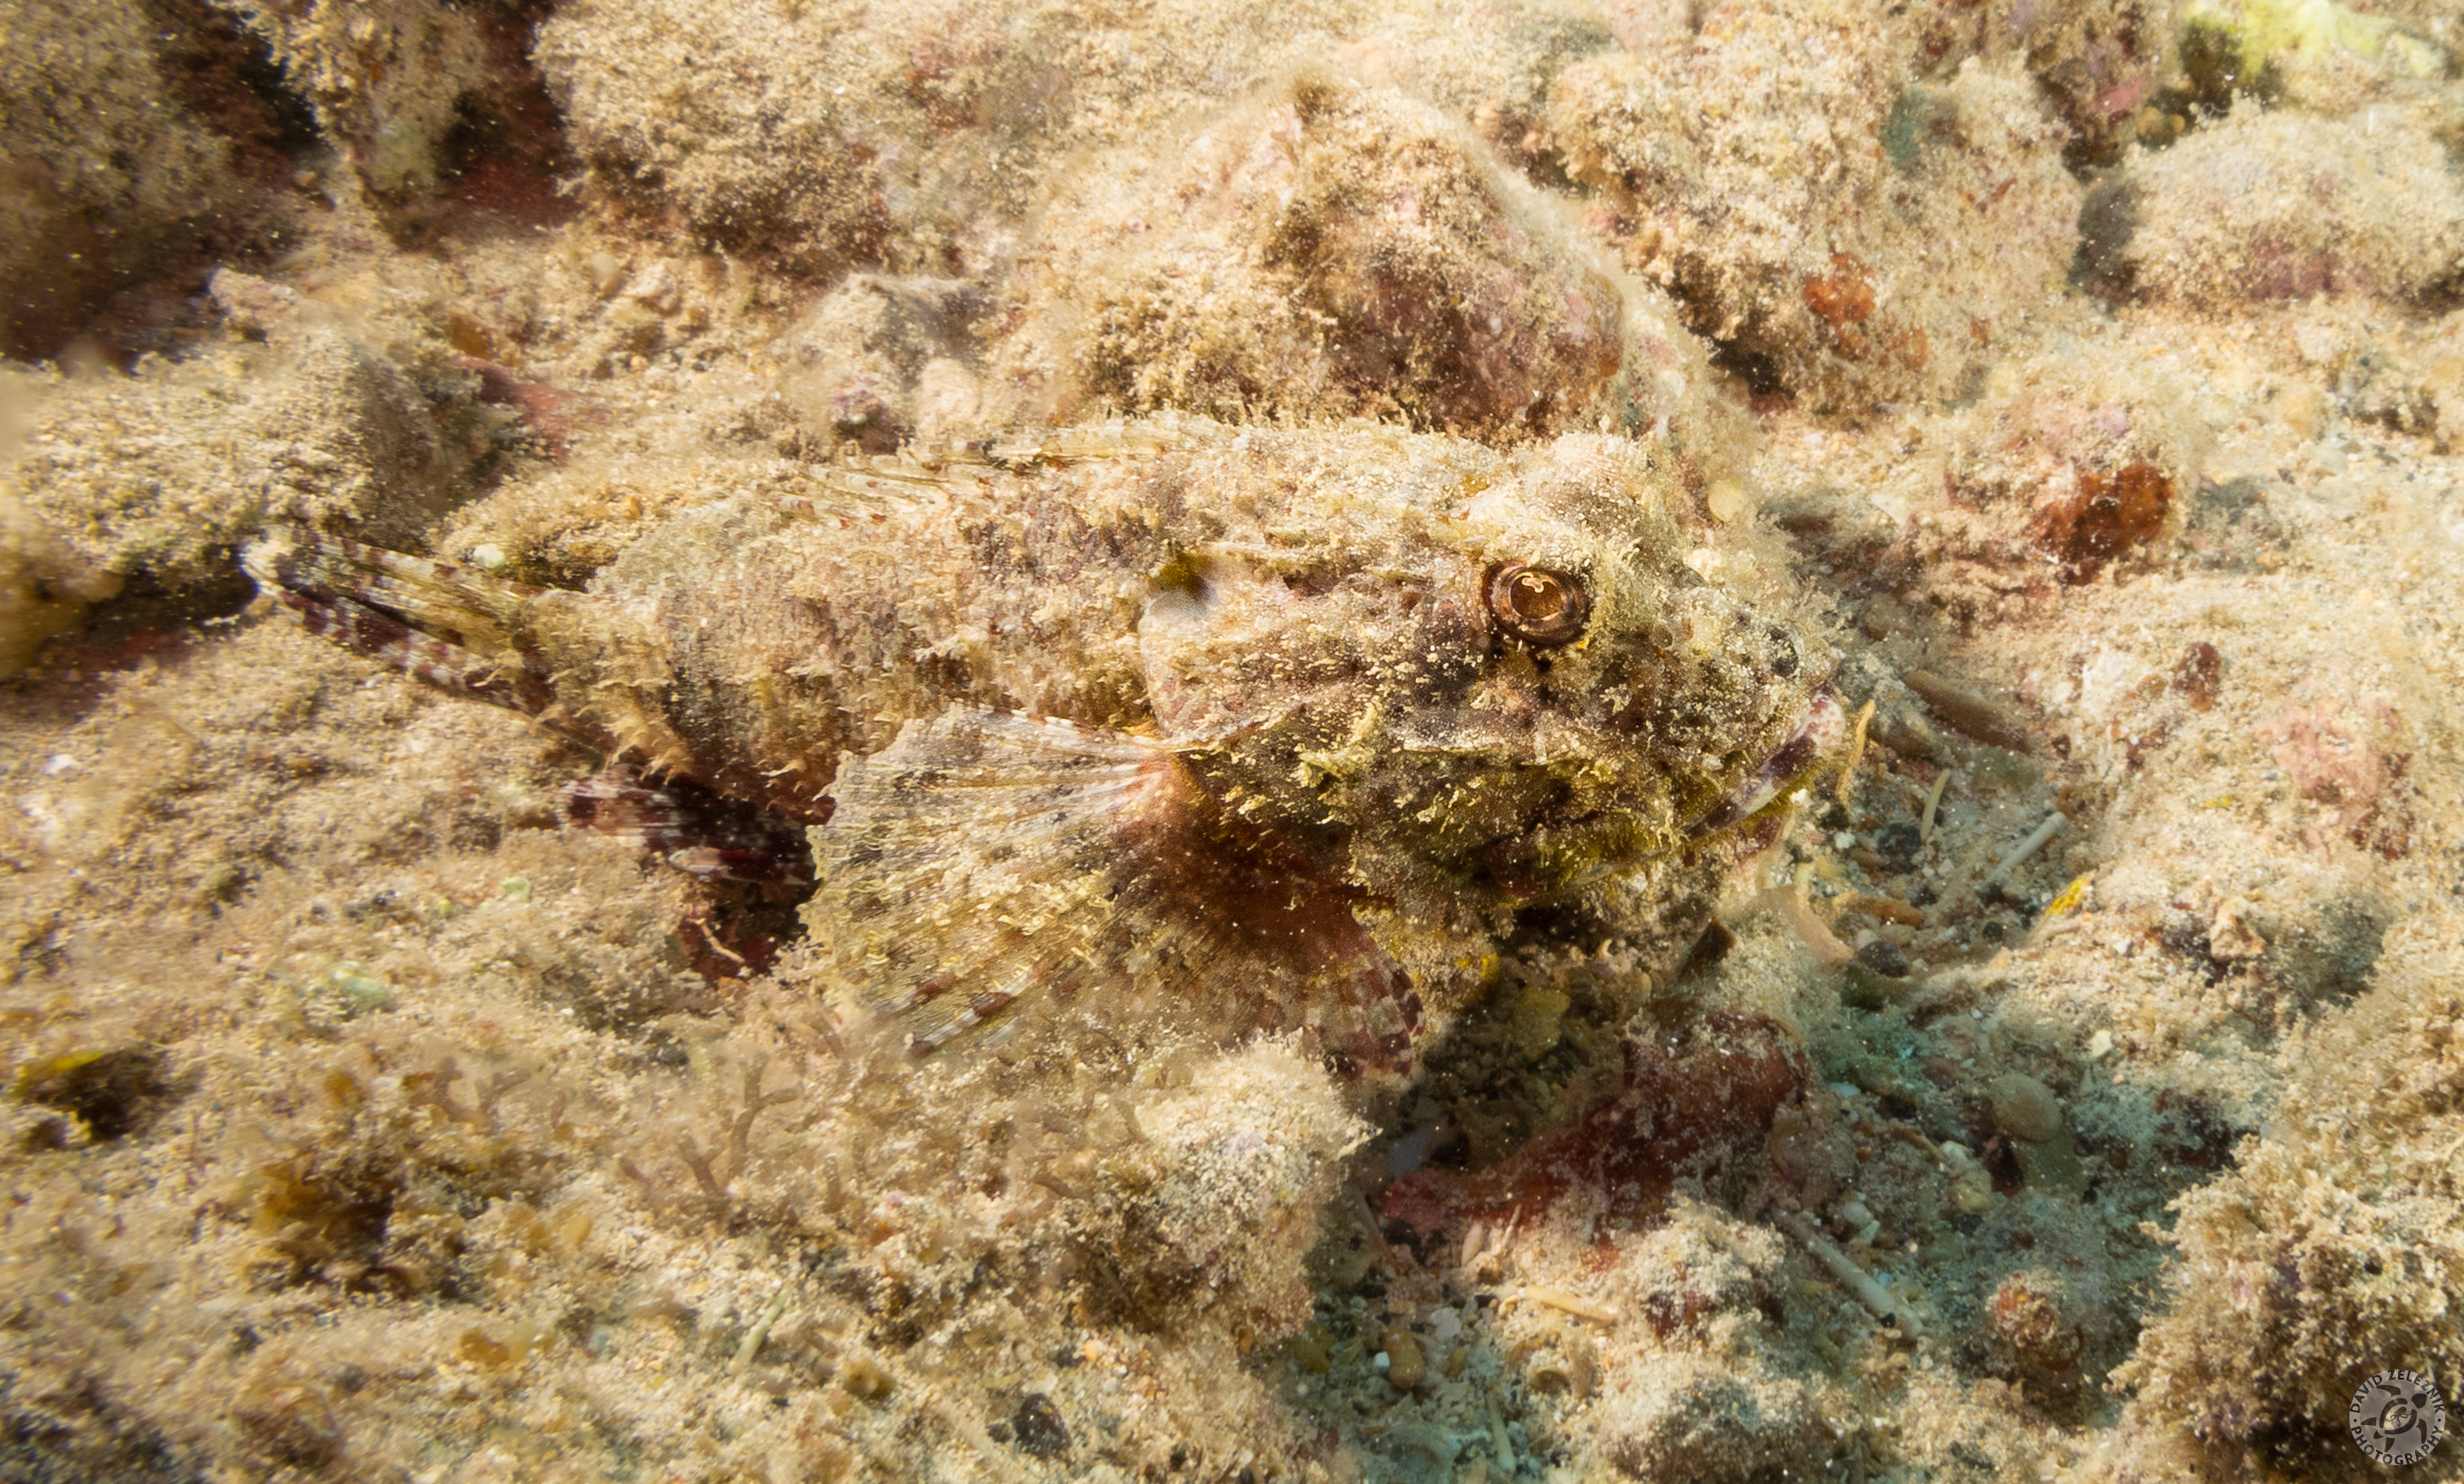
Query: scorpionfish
[[1295, 726]]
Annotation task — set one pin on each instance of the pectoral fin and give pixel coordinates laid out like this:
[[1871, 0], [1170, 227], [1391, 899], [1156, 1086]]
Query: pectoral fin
[[987, 866]]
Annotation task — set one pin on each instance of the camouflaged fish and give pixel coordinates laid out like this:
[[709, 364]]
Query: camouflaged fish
[[1285, 725]]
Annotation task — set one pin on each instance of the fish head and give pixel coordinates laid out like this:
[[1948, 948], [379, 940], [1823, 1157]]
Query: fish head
[[1483, 682]]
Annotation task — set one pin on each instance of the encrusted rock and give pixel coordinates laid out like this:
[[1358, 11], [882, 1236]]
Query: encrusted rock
[[2274, 206], [1848, 271], [1333, 248]]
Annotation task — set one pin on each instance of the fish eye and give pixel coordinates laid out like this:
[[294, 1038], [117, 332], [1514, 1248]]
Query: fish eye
[[1536, 605]]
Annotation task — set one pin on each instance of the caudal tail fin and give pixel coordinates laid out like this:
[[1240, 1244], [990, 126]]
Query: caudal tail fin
[[452, 628]]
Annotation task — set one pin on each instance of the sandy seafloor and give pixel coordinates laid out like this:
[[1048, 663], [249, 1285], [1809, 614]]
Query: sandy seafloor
[[2088, 378]]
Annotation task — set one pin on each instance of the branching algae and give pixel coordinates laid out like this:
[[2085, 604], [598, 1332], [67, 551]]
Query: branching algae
[[1266, 727]]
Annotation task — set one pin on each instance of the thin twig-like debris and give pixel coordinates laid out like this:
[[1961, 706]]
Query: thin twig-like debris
[[1576, 1304], [1933, 801], [1856, 750], [761, 1327], [699, 1164], [2036, 842], [1791, 903], [1869, 1292]]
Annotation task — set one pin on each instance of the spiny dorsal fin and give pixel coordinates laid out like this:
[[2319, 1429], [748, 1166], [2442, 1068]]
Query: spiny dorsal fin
[[445, 600], [452, 627], [986, 866]]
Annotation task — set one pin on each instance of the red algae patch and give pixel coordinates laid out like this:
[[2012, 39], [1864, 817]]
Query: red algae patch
[[2102, 517]]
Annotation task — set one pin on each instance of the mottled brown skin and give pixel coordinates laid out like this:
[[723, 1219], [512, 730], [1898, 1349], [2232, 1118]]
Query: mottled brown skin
[[1303, 625]]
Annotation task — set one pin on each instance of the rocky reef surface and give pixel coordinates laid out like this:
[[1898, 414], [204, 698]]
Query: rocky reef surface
[[2071, 1089]]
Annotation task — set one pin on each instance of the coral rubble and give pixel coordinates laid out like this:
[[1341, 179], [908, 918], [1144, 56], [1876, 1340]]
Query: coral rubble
[[103, 170], [1861, 233]]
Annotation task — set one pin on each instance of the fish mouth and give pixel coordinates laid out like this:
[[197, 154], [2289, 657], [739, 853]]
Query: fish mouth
[[1825, 728]]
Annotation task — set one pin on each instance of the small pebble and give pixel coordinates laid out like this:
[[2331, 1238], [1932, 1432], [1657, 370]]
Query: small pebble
[[1969, 712], [1312, 1350], [1885, 957], [2197, 674], [1038, 1429], [1405, 1365], [1728, 501], [2025, 1109], [1899, 843], [1409, 1152], [864, 1379]]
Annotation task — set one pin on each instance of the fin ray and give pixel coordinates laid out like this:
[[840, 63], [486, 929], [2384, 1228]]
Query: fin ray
[[428, 594], [457, 629], [987, 865]]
